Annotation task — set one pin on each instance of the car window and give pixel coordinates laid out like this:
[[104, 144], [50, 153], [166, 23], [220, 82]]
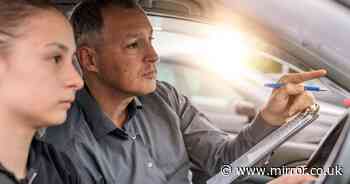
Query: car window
[[166, 74], [272, 67], [197, 83], [245, 63], [220, 52], [201, 83]]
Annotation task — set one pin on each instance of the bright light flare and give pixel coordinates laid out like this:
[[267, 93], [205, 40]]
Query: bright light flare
[[226, 51]]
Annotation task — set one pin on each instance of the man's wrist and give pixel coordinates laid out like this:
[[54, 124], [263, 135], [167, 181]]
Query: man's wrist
[[260, 128], [270, 118]]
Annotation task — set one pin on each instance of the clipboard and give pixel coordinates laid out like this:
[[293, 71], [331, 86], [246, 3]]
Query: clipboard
[[265, 147]]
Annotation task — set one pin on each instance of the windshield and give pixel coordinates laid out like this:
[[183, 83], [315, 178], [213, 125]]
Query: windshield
[[232, 55], [221, 68]]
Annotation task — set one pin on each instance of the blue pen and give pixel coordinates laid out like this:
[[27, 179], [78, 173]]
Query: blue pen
[[306, 87]]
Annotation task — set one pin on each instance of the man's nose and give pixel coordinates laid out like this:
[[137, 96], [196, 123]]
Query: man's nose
[[151, 55]]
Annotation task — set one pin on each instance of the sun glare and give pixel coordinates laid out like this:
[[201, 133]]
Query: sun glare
[[226, 51]]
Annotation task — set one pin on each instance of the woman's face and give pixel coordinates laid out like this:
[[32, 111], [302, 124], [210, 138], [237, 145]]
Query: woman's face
[[38, 80]]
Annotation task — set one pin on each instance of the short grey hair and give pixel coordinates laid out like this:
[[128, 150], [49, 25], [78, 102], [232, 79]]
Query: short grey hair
[[87, 19]]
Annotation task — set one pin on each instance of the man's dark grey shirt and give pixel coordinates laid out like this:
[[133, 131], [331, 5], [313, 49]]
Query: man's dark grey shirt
[[164, 137]]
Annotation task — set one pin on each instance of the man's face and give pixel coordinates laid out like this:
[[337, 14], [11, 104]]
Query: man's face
[[126, 57]]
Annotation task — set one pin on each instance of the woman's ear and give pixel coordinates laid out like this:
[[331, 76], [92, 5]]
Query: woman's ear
[[88, 59]]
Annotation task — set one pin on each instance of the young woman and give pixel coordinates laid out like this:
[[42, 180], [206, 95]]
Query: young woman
[[38, 82]]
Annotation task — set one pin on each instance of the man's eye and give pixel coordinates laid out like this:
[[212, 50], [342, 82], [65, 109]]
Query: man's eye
[[133, 45]]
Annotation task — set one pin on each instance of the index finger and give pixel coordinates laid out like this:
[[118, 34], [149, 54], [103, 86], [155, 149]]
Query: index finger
[[301, 77]]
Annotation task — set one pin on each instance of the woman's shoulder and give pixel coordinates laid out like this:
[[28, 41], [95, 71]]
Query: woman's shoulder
[[51, 165]]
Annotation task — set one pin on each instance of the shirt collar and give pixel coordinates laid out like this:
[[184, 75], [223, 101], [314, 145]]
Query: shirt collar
[[33, 164], [8, 174], [99, 123], [135, 105]]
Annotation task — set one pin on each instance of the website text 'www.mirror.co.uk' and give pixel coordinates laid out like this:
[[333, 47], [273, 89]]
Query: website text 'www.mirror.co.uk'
[[228, 170]]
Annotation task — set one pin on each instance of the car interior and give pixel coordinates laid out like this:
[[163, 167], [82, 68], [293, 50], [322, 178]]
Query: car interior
[[320, 152]]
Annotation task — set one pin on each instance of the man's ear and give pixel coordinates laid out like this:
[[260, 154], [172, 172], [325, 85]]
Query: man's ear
[[87, 58], [2, 68], [4, 65]]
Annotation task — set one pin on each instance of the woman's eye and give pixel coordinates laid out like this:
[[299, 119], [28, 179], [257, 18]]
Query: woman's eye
[[57, 59]]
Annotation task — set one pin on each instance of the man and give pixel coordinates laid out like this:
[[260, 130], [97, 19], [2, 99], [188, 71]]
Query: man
[[126, 127]]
